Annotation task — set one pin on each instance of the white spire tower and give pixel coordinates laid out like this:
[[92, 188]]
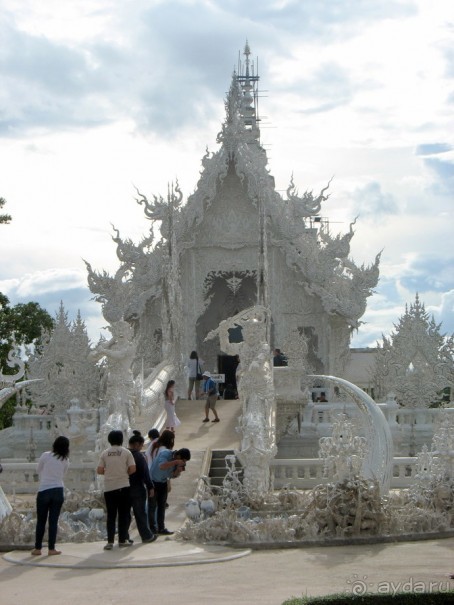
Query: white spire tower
[[249, 102]]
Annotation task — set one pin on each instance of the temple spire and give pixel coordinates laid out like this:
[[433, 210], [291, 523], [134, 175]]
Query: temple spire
[[248, 83]]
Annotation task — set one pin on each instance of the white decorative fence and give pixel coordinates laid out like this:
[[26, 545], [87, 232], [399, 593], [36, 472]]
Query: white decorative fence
[[324, 414], [411, 429], [307, 473], [22, 478]]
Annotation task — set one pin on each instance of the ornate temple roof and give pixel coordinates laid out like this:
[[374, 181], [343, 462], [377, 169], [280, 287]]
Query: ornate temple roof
[[415, 361], [319, 260]]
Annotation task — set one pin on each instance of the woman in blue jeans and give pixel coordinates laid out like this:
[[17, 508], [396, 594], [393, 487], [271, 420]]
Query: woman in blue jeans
[[52, 467]]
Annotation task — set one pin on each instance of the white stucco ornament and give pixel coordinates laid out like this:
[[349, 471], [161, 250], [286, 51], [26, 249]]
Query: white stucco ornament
[[256, 391], [119, 354], [192, 509], [377, 457]]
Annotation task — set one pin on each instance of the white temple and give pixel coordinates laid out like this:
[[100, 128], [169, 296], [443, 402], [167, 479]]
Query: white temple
[[236, 242], [234, 245], [239, 269]]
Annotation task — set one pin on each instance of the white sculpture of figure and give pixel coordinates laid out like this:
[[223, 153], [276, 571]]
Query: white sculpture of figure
[[256, 391], [8, 382], [119, 352]]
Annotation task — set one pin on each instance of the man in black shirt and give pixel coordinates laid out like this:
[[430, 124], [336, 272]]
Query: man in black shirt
[[141, 487]]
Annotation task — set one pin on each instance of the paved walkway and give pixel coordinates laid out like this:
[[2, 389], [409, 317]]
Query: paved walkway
[[168, 553], [188, 574], [265, 577]]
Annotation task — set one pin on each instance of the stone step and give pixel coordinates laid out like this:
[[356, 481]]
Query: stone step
[[217, 463], [222, 470], [217, 481], [218, 467], [221, 454]]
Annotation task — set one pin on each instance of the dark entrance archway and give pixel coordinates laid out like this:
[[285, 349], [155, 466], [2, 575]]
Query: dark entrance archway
[[229, 292]]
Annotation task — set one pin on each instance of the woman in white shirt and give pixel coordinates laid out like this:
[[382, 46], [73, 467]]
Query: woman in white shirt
[[194, 374], [172, 420], [52, 467]]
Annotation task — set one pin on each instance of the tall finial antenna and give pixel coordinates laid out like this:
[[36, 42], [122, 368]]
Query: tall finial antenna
[[247, 52], [248, 79]]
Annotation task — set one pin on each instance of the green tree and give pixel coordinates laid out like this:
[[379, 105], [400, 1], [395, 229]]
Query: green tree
[[24, 323], [4, 218]]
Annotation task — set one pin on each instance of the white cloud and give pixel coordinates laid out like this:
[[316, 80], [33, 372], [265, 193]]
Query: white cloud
[[444, 312], [52, 287], [44, 282], [371, 201]]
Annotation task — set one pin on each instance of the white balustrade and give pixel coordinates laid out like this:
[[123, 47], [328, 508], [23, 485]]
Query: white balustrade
[[307, 473], [22, 478]]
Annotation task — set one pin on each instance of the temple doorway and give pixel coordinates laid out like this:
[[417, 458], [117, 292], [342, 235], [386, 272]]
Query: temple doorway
[[228, 293], [227, 365]]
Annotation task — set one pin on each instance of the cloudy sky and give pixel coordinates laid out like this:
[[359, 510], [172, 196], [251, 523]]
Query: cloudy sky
[[99, 96]]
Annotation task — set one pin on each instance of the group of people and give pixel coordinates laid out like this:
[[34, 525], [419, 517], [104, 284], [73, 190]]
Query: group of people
[[129, 482], [133, 480], [209, 390]]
